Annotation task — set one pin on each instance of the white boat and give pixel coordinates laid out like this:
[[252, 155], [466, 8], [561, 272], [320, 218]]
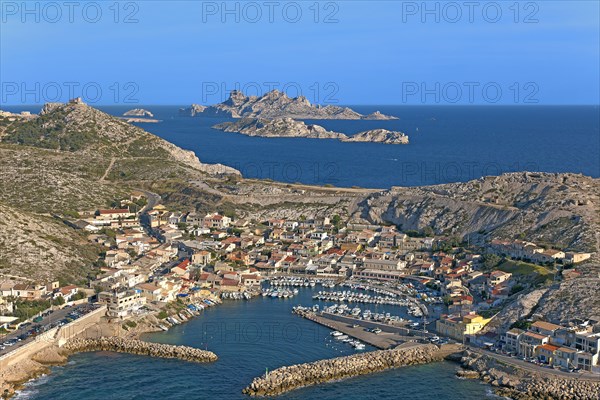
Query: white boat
[[341, 337], [336, 333]]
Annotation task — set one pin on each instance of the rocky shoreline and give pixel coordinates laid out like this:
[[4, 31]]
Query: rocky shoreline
[[285, 379], [133, 346], [519, 384]]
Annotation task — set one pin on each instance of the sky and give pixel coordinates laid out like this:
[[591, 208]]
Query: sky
[[332, 52]]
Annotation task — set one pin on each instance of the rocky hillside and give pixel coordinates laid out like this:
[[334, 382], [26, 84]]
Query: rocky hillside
[[42, 248], [558, 209], [276, 104]]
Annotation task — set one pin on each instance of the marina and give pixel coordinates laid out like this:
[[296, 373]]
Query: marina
[[258, 334]]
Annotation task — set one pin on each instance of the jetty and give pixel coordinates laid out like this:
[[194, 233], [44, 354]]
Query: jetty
[[284, 379], [132, 346], [390, 336]]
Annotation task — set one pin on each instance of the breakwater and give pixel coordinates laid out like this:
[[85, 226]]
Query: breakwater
[[132, 346], [293, 377]]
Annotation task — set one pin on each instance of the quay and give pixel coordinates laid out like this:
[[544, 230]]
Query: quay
[[132, 346], [391, 336], [284, 379]]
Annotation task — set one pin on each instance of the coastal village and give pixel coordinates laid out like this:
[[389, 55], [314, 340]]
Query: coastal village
[[158, 258]]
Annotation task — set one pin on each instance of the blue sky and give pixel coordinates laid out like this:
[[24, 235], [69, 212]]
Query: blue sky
[[345, 52]]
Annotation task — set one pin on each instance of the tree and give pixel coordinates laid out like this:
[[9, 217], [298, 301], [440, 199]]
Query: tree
[[59, 301], [491, 261]]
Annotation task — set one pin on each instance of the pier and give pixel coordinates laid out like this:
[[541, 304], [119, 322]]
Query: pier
[[391, 336]]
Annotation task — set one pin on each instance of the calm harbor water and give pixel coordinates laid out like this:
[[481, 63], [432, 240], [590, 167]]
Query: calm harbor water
[[248, 337]]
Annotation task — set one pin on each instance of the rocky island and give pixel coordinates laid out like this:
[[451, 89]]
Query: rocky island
[[379, 136], [138, 112], [279, 127], [192, 110], [288, 127], [276, 104]]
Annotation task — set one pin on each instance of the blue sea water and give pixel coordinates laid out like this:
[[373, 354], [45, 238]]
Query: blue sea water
[[249, 337], [447, 144]]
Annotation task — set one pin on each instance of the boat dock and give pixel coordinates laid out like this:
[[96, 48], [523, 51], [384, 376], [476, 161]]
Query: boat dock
[[390, 337]]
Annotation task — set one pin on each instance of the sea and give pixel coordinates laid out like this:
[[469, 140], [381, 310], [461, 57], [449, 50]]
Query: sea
[[447, 144], [250, 338]]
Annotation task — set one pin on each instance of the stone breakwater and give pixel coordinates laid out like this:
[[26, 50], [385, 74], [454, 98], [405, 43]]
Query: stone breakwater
[[293, 377], [132, 346], [526, 385]]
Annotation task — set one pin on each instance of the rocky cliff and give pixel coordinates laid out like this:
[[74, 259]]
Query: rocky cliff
[[276, 104]]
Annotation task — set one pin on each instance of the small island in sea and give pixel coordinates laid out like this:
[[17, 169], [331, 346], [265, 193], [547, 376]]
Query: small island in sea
[[276, 104], [288, 127], [139, 115], [138, 112]]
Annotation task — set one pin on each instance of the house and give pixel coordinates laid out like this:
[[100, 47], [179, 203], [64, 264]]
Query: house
[[123, 303], [384, 265], [150, 291], [28, 291], [548, 256], [379, 275], [544, 328], [497, 277], [574, 258], [182, 269], [250, 280], [458, 327], [511, 340], [114, 214], [545, 353], [66, 292], [565, 357], [201, 257], [216, 221], [230, 285], [528, 343]]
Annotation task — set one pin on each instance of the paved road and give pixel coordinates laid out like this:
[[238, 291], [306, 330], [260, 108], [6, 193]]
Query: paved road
[[516, 362], [54, 317]]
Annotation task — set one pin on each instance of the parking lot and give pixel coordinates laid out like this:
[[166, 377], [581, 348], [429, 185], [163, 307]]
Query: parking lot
[[49, 319]]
